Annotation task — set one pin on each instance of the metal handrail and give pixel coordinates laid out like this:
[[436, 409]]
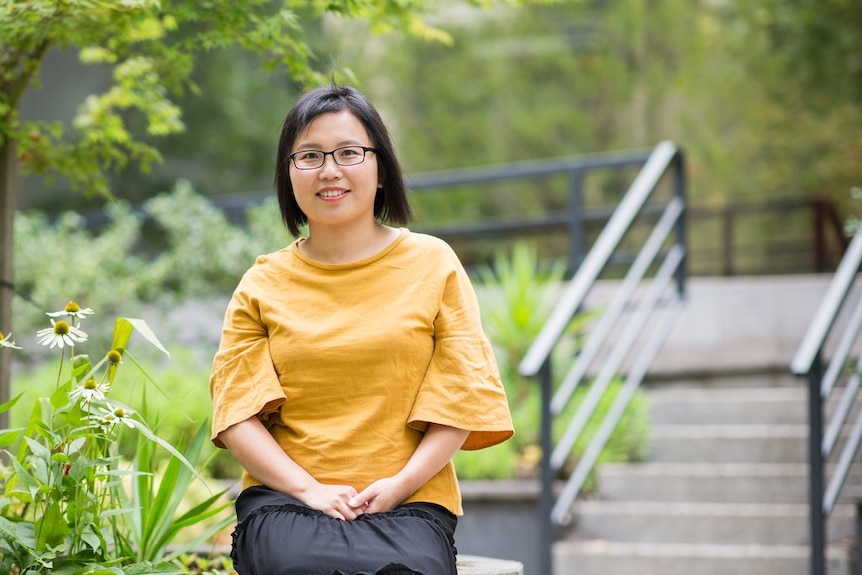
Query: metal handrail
[[603, 326], [560, 512], [526, 169], [612, 363], [669, 228], [823, 376], [573, 297], [839, 287]]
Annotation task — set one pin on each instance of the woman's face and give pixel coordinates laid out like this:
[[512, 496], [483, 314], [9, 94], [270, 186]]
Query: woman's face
[[335, 195]]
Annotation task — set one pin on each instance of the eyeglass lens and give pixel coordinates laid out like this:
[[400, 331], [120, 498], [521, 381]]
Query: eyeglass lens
[[346, 156]]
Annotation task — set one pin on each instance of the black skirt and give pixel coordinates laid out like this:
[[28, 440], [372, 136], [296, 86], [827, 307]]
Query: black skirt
[[278, 535]]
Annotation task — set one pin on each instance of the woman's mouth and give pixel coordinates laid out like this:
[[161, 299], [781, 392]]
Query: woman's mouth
[[331, 193]]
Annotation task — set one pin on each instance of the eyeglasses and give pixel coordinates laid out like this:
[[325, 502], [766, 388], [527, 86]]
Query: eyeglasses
[[344, 156]]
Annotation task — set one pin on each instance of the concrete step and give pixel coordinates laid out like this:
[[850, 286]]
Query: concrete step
[[728, 405], [705, 482], [600, 557], [740, 443], [691, 523]]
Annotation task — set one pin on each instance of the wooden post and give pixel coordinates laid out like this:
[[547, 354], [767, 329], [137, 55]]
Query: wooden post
[[8, 197]]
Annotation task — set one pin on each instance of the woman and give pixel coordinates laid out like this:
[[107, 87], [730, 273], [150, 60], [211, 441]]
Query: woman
[[352, 366]]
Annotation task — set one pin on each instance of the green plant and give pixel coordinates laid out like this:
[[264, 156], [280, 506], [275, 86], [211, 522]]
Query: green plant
[[176, 412], [153, 522], [519, 292], [192, 225], [64, 508]]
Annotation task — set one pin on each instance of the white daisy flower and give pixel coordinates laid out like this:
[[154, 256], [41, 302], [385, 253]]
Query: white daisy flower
[[90, 390], [7, 341], [72, 309], [111, 414], [61, 334]]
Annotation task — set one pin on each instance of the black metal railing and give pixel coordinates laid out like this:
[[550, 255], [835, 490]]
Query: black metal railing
[[574, 219], [638, 295], [835, 332]]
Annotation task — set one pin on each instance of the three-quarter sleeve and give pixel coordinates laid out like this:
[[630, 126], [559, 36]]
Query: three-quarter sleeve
[[462, 386], [243, 382]]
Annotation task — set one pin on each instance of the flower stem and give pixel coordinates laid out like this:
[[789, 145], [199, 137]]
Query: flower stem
[[60, 371]]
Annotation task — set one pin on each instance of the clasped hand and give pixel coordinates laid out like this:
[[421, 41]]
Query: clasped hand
[[346, 503]]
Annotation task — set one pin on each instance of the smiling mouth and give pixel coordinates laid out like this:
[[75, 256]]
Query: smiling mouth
[[332, 193]]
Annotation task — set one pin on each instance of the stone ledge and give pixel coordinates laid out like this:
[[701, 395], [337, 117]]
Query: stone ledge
[[474, 565]]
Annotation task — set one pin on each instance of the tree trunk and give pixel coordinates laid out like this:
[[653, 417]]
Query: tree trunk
[[8, 197]]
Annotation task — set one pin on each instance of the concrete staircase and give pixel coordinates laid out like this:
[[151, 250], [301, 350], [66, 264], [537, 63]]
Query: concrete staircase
[[724, 490]]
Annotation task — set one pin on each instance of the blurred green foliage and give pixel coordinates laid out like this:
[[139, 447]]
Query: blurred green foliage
[[177, 246], [762, 97], [726, 80]]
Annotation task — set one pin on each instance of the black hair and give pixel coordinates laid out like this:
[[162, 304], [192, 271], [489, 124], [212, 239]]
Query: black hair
[[390, 204]]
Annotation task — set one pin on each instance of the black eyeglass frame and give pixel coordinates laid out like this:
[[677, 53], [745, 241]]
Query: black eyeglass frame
[[365, 150]]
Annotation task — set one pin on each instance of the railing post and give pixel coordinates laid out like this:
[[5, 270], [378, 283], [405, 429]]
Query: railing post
[[576, 220], [727, 239], [857, 552], [680, 192], [816, 468], [546, 498], [818, 208]]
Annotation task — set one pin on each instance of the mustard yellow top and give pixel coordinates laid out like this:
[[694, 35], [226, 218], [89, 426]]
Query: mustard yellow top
[[347, 364]]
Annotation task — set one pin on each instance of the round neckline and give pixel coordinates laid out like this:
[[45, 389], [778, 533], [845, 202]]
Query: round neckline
[[402, 233]]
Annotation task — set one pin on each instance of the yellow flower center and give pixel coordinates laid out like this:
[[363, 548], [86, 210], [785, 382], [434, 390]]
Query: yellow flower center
[[120, 412], [72, 307], [2, 336], [90, 384], [61, 328], [114, 356]]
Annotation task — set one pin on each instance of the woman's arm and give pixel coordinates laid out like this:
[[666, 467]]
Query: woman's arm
[[434, 451], [258, 452]]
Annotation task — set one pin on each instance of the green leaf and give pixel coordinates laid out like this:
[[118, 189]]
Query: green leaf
[[10, 436], [21, 534], [60, 397], [37, 448], [11, 403], [205, 536], [143, 371], [82, 366], [91, 538], [123, 329], [159, 525], [148, 433], [51, 528]]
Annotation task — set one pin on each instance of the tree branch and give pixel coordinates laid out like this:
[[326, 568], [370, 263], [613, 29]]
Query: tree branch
[[23, 80]]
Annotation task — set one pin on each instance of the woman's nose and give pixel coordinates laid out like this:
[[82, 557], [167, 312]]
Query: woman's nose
[[330, 167]]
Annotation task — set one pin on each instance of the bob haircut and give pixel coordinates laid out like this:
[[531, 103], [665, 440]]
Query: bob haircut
[[390, 203]]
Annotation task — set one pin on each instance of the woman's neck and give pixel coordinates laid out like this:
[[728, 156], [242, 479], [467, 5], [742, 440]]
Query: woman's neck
[[347, 245]]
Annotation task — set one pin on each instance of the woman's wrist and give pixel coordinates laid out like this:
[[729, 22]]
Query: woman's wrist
[[298, 484]]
